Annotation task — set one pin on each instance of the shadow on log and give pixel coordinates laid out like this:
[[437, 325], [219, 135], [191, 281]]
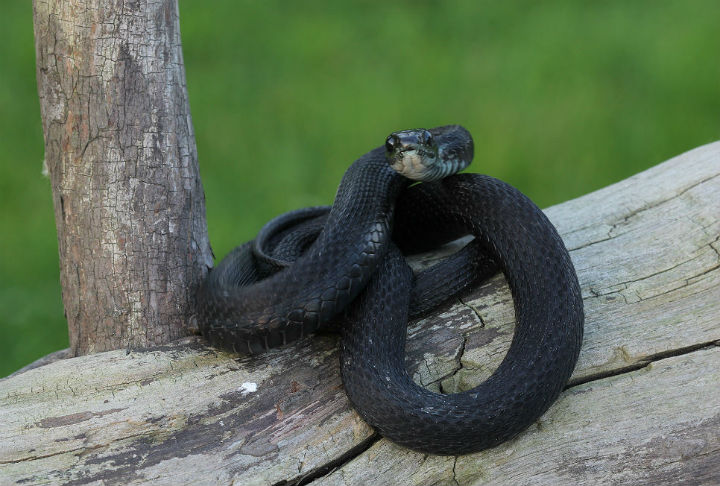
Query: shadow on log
[[641, 408]]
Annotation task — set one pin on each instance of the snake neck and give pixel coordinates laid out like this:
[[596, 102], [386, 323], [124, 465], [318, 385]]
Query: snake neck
[[367, 192]]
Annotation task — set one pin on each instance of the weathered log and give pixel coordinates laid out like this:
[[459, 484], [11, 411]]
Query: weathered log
[[643, 406]]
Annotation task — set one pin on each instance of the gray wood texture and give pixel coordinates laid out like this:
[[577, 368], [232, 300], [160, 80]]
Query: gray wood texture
[[121, 157], [643, 406]]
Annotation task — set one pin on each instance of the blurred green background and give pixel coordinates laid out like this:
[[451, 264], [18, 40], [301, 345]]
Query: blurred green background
[[563, 97]]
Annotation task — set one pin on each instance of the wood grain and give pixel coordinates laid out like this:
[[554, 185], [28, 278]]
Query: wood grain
[[121, 157]]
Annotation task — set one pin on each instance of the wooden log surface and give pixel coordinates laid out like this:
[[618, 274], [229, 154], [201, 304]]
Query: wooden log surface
[[643, 406]]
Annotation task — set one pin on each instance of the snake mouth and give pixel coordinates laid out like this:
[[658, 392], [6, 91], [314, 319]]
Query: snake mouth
[[412, 164]]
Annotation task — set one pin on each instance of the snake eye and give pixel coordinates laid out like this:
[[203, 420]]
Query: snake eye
[[391, 143], [427, 137]]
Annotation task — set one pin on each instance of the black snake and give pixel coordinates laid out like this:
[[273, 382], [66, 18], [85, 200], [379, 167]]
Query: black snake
[[344, 264]]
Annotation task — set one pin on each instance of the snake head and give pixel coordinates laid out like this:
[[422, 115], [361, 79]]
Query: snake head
[[427, 155], [412, 152]]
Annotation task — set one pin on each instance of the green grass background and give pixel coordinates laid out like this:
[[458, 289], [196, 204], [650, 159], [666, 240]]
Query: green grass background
[[563, 97]]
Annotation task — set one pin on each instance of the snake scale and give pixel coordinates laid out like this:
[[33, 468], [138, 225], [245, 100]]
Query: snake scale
[[343, 267]]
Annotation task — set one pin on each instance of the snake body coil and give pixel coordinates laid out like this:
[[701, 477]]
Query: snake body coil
[[307, 266]]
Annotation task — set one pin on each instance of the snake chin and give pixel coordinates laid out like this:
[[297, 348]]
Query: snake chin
[[414, 165]]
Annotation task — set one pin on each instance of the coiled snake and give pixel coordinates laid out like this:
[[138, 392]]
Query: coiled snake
[[344, 264]]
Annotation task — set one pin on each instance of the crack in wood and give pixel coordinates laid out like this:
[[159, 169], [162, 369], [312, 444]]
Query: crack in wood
[[474, 310], [459, 364], [332, 465], [655, 204], [643, 363]]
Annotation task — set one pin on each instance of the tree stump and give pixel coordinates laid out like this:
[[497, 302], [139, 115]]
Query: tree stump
[[643, 406]]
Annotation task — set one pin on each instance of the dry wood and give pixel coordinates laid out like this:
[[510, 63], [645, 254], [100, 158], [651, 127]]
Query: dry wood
[[120, 153], [643, 406]]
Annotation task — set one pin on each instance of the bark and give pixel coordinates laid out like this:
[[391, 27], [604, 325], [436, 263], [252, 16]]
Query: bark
[[121, 156], [641, 407]]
